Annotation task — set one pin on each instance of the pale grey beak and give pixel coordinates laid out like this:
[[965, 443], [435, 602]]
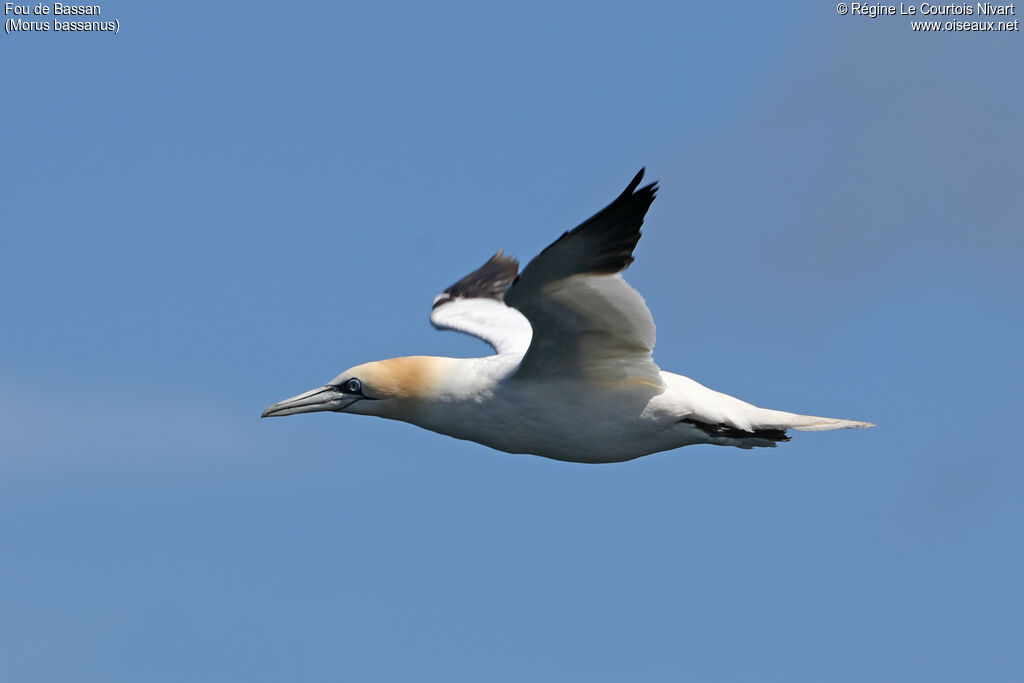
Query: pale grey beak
[[312, 401]]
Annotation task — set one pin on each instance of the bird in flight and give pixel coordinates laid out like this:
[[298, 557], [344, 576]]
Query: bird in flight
[[572, 377]]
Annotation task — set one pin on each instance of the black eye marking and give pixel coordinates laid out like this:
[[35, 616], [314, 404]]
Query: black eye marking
[[353, 388]]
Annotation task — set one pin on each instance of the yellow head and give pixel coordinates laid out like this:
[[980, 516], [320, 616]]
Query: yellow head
[[389, 388]]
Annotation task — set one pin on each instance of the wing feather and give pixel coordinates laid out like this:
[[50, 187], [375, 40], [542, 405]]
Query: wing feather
[[474, 305], [587, 322]]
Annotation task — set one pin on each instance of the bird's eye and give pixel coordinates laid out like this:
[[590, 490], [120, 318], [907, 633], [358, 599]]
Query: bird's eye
[[353, 386]]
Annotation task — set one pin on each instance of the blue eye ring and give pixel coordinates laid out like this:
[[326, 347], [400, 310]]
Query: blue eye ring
[[353, 386]]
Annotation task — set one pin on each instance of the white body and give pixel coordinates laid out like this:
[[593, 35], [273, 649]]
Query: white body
[[574, 419]]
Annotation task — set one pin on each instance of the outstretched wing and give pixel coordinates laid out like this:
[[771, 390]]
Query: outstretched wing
[[587, 322], [474, 305]]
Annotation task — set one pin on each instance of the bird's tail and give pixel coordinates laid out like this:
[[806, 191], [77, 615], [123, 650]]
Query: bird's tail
[[769, 427], [765, 418], [732, 422]]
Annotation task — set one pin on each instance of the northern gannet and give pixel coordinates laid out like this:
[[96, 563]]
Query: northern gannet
[[572, 377]]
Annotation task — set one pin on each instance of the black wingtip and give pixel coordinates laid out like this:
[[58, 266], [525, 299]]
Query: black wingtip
[[616, 229], [634, 183], [489, 281], [649, 191], [631, 189], [605, 241]]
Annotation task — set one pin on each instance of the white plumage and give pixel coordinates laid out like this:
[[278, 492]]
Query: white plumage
[[573, 377]]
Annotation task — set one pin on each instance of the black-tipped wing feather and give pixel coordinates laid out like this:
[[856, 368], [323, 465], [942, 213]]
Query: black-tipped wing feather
[[586, 320], [489, 281], [601, 245], [569, 313], [474, 305]]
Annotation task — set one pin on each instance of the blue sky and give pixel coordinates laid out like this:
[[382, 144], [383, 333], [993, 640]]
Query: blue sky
[[220, 207]]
